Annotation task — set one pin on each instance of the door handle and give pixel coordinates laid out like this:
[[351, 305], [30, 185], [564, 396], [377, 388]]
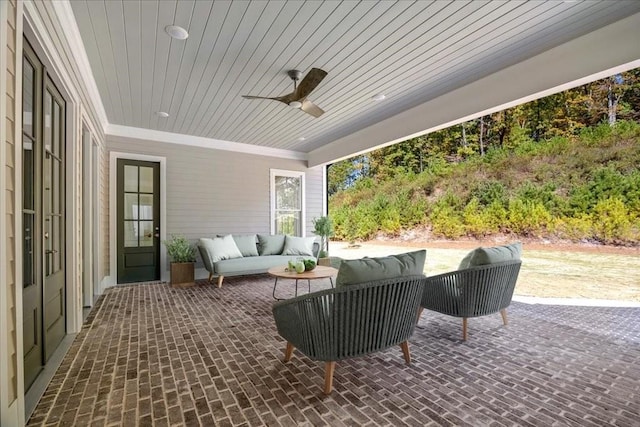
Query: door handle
[[50, 251]]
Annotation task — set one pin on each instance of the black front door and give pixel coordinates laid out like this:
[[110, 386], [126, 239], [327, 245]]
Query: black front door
[[138, 218]]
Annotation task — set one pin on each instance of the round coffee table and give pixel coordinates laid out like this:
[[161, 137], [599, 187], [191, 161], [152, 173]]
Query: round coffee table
[[320, 272]]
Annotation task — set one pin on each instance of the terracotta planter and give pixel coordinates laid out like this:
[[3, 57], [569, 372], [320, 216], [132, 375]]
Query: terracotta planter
[[182, 274]]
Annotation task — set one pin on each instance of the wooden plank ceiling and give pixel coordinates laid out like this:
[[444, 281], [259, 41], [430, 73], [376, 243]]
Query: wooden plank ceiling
[[411, 51]]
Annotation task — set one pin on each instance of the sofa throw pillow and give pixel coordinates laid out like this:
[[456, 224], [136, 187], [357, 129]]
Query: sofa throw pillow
[[492, 255], [270, 244], [246, 244], [298, 245], [356, 271], [221, 248]]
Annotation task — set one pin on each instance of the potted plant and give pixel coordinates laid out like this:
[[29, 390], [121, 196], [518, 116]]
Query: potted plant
[[323, 227], [183, 257]]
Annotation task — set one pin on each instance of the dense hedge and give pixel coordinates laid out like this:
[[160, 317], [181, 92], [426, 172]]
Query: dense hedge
[[584, 188]]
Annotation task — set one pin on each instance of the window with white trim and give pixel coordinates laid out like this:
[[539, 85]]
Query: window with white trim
[[287, 202]]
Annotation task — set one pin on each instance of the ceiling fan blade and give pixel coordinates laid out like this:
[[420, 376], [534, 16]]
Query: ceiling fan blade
[[259, 97], [311, 108], [309, 83]]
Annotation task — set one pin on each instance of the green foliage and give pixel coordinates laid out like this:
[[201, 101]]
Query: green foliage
[[611, 220], [490, 191], [323, 227], [527, 218], [179, 249], [566, 165]]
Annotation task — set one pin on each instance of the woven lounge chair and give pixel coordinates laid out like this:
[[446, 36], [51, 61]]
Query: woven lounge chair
[[351, 321], [472, 292]]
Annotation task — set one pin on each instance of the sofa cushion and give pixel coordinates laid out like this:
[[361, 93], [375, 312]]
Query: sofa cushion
[[492, 255], [270, 244], [356, 271], [246, 244], [220, 248], [298, 245], [251, 265]]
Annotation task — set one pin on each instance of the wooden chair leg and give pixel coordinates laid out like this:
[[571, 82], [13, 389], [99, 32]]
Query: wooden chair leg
[[503, 312], [210, 277], [288, 352], [220, 279], [405, 351], [420, 310], [464, 329], [329, 367]]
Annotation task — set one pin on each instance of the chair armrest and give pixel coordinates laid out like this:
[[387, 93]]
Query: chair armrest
[[204, 254]]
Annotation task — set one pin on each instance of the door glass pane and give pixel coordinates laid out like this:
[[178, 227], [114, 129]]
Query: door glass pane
[[130, 206], [146, 179], [57, 126], [146, 233], [131, 178], [27, 97], [131, 234], [287, 192], [47, 185], [28, 169], [57, 185], [47, 121], [146, 206]]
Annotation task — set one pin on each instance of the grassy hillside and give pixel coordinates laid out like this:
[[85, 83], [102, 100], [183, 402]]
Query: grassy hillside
[[586, 188]]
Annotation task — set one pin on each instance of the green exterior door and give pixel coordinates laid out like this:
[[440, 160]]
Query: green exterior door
[[31, 216], [43, 216], [138, 218], [53, 205]]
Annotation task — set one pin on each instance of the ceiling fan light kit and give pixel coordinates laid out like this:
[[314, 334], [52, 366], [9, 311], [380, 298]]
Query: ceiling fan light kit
[[298, 98]]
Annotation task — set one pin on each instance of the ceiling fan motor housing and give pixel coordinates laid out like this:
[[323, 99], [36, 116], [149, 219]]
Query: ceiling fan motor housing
[[294, 74]]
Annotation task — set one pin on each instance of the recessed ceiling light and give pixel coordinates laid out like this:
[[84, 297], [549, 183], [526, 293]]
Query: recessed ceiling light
[[302, 138], [162, 114], [378, 97], [176, 32]]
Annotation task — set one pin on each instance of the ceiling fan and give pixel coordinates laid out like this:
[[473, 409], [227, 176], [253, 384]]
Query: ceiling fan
[[298, 98]]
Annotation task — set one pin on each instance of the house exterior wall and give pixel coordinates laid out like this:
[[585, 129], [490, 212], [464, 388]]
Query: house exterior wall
[[210, 192], [44, 26], [11, 406]]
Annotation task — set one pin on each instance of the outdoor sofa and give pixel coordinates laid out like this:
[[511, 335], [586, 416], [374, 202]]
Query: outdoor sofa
[[237, 255]]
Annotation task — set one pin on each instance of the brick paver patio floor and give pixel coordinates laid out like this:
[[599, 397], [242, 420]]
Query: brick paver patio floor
[[153, 355]]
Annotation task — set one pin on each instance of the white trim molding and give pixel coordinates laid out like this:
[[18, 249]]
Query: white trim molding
[[113, 225], [198, 141], [72, 33]]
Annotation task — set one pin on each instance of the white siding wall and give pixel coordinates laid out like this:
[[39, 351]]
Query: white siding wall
[[212, 192]]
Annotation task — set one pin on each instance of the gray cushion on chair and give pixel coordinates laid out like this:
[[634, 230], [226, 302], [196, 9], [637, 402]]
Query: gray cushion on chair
[[484, 256], [355, 271]]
